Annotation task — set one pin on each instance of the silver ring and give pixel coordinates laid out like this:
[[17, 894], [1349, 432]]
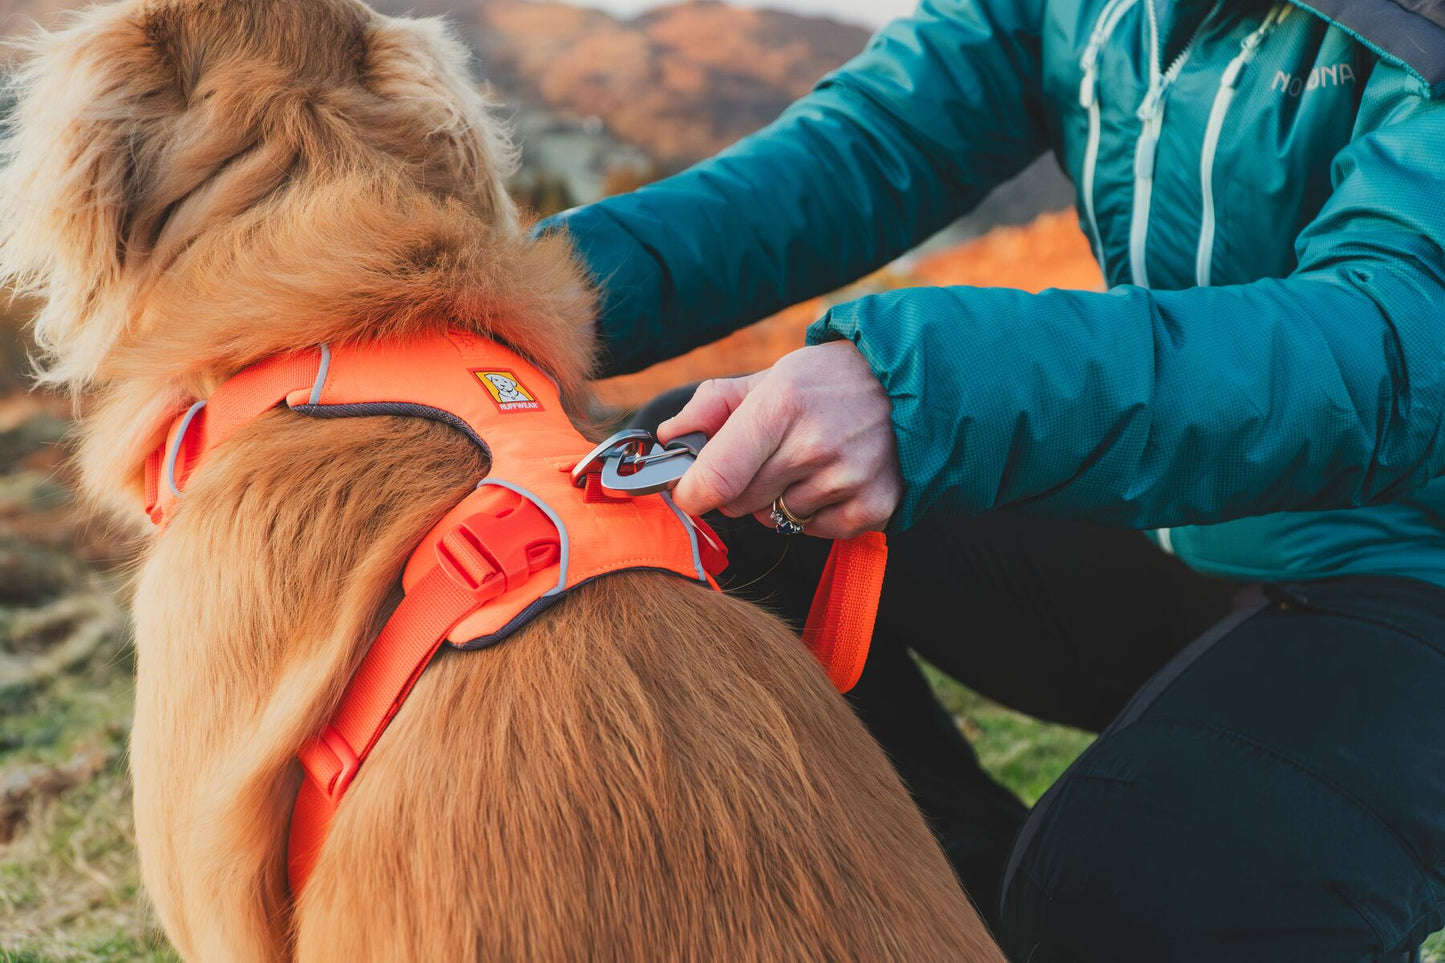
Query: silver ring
[[784, 521]]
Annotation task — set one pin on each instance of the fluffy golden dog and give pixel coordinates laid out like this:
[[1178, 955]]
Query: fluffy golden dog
[[648, 771]]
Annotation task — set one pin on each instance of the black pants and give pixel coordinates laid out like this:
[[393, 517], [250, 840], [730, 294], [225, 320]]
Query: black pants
[[1269, 783]]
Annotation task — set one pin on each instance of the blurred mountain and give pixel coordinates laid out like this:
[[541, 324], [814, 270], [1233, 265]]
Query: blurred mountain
[[681, 82]]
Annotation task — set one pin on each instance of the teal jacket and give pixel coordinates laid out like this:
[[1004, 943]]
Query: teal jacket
[[1264, 381]]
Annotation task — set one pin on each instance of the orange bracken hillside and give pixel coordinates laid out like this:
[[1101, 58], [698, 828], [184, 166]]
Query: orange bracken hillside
[[681, 81], [1050, 252]]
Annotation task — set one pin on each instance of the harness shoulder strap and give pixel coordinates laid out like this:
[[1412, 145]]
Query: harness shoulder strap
[[285, 379], [475, 560]]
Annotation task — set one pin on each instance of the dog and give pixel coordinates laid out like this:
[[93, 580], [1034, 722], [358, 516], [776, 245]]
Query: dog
[[648, 771], [508, 391]]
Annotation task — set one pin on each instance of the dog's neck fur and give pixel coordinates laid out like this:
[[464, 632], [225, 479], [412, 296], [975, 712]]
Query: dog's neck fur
[[407, 265]]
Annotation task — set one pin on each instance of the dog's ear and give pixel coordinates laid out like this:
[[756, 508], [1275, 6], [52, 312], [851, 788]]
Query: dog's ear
[[82, 99], [437, 117]]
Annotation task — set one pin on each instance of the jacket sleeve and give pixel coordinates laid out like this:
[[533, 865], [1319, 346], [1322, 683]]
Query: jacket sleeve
[[913, 132], [1322, 390]]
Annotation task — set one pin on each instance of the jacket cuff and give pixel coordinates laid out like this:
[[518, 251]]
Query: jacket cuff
[[848, 322]]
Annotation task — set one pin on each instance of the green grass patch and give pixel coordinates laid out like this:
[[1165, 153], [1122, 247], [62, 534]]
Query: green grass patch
[[1022, 753]]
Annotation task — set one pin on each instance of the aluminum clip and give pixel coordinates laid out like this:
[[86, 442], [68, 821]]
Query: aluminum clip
[[632, 463]]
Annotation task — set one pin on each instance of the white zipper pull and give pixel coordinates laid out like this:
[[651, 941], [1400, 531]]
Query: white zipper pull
[[1247, 49], [1233, 71], [1228, 85], [1147, 150], [1151, 112], [1108, 20], [1089, 86], [1104, 27], [1153, 105], [1151, 117]]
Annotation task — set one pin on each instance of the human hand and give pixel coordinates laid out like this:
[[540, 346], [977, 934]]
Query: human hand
[[815, 428]]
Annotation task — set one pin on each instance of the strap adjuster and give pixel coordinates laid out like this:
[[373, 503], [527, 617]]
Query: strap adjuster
[[330, 762]]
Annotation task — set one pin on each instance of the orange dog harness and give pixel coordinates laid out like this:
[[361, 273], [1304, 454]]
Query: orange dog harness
[[517, 544]]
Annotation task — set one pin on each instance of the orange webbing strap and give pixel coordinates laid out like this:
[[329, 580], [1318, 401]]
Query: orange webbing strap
[[477, 560], [840, 621], [246, 396]]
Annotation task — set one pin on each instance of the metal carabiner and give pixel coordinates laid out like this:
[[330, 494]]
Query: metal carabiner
[[628, 476], [632, 463], [629, 441]]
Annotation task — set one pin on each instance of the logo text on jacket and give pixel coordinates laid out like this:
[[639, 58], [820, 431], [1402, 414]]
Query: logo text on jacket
[[1336, 75]]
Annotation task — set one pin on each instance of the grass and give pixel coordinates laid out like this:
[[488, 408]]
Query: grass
[[1022, 753], [69, 887]]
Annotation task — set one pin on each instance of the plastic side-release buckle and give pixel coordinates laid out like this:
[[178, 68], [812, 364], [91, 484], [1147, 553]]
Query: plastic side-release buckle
[[485, 554], [493, 552]]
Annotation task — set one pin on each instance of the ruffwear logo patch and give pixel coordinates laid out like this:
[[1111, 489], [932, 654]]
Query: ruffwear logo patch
[[508, 393]]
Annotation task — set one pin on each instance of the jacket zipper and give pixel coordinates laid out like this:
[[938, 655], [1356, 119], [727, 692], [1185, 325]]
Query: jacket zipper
[[1228, 84], [1089, 99], [1151, 115]]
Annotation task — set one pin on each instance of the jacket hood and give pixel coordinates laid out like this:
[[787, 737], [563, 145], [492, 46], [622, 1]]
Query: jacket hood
[[1409, 31]]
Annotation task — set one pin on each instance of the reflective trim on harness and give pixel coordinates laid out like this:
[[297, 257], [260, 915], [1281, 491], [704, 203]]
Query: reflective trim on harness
[[173, 450]]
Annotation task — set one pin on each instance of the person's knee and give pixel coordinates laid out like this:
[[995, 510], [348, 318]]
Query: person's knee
[[1178, 843]]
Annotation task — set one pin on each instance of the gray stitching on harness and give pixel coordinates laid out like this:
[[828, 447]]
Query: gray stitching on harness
[[405, 409]]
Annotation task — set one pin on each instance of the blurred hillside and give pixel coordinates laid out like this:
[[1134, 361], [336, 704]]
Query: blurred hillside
[[681, 82], [603, 104], [68, 881]]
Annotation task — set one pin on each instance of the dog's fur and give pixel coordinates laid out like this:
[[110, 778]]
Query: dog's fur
[[648, 771]]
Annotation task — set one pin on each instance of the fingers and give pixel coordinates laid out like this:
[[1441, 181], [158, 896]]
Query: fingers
[[740, 446], [847, 518], [816, 426], [806, 489], [710, 406], [852, 518]]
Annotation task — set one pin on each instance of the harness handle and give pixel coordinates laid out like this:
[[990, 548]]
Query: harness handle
[[845, 607]]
